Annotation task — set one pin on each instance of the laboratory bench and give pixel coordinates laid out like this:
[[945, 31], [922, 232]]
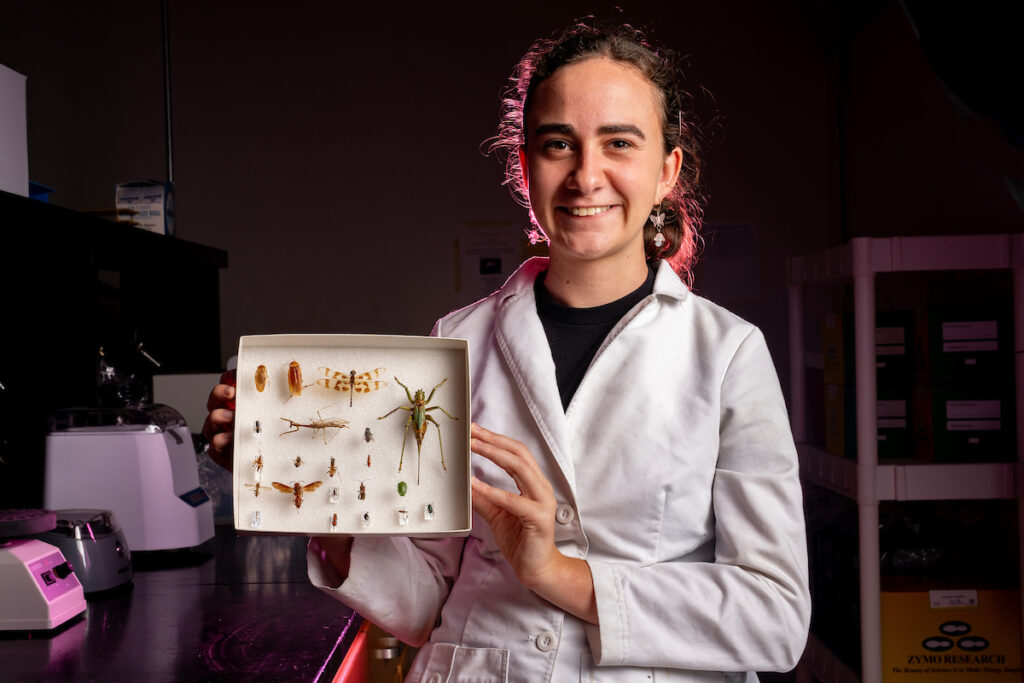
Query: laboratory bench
[[239, 607]]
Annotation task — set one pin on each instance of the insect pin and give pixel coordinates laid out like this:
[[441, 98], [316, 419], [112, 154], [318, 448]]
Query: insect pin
[[332, 470], [256, 488], [418, 419], [261, 378], [362, 383], [321, 423], [297, 489]]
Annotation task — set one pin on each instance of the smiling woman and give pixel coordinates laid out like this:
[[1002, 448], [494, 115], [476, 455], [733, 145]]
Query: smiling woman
[[638, 512]]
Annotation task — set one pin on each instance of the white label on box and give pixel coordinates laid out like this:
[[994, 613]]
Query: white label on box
[[892, 408], [975, 329], [960, 346], [973, 426], [946, 599], [889, 335], [960, 410], [891, 350], [891, 423]]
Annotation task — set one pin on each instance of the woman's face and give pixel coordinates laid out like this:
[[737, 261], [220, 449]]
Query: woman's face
[[594, 161]]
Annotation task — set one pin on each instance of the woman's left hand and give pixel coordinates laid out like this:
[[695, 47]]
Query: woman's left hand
[[523, 525]]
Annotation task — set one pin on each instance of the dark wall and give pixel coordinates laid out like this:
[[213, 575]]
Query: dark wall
[[333, 150]]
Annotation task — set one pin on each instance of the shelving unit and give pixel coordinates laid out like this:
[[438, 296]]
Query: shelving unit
[[866, 480]]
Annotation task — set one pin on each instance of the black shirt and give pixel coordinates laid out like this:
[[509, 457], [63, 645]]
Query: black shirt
[[575, 334]]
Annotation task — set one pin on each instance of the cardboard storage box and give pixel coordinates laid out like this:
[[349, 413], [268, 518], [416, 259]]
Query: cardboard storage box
[[895, 437], [325, 435], [968, 347], [964, 424], [893, 348], [149, 205], [951, 636]]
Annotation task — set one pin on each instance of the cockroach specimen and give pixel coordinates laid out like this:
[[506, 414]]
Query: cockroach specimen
[[332, 470], [294, 379], [362, 383], [256, 488], [261, 378], [418, 419], [297, 489], [319, 423]]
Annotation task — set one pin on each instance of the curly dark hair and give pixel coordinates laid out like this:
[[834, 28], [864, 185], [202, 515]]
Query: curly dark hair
[[584, 40]]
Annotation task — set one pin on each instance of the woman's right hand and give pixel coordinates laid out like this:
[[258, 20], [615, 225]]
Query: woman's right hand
[[219, 428]]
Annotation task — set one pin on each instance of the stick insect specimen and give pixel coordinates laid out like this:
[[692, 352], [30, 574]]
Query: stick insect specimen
[[418, 419], [362, 383], [297, 489], [320, 423]]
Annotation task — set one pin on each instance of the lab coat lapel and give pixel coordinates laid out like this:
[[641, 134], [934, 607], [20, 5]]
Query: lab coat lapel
[[521, 338]]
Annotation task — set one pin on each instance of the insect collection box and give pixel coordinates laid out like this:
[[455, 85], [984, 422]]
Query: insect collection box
[[352, 434]]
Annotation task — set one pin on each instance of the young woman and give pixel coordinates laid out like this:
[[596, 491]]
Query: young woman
[[639, 508]]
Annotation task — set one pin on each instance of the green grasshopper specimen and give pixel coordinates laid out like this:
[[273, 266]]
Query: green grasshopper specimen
[[418, 419]]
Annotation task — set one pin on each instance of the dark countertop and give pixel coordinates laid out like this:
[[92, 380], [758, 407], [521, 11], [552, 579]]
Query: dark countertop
[[236, 608]]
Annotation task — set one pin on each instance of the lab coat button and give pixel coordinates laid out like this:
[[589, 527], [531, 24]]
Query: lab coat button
[[564, 514], [436, 678], [547, 641]]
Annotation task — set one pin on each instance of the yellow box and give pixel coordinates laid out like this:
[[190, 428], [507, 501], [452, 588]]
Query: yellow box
[[961, 636]]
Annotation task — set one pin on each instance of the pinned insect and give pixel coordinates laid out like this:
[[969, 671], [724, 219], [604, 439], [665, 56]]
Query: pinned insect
[[403, 488], [297, 489], [362, 383], [256, 488], [261, 378], [320, 423], [367, 435], [418, 419], [334, 521], [332, 470], [368, 459], [298, 461], [294, 379], [258, 463], [362, 491]]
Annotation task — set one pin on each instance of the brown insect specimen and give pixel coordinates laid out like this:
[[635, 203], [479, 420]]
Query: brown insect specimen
[[297, 489], [261, 378], [362, 491], [256, 488], [367, 459], [334, 519], [332, 470], [258, 463], [320, 423], [298, 461], [294, 379], [362, 383]]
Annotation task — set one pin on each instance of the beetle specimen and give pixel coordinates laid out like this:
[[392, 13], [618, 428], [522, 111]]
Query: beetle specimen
[[294, 379], [297, 489], [418, 419], [319, 423], [332, 470], [257, 429], [362, 383], [256, 488], [403, 488], [334, 521], [261, 378], [367, 435], [298, 461]]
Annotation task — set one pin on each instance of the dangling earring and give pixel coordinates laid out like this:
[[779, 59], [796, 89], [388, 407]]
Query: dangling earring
[[535, 236], [658, 221]]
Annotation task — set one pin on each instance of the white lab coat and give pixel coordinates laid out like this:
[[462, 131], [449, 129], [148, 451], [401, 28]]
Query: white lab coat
[[676, 479]]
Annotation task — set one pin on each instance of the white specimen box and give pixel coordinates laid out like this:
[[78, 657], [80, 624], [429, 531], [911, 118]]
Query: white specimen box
[[13, 133], [364, 493]]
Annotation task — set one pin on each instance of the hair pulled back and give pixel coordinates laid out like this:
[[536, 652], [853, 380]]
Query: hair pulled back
[[623, 43]]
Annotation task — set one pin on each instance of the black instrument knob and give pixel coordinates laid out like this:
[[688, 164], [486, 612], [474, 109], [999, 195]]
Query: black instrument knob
[[63, 570]]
